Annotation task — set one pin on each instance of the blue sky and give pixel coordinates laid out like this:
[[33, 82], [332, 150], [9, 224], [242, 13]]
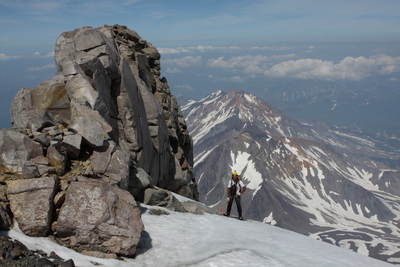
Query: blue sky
[[208, 45]]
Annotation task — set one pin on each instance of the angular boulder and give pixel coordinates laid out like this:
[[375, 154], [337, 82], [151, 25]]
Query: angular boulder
[[119, 168], [31, 202], [16, 149], [50, 98], [101, 157], [91, 131], [57, 160], [96, 214], [162, 198], [73, 145]]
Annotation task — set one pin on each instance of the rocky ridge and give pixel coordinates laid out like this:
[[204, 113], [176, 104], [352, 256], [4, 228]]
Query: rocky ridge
[[103, 132]]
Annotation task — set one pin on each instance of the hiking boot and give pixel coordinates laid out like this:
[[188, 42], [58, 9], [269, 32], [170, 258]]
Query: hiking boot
[[241, 218], [226, 214]]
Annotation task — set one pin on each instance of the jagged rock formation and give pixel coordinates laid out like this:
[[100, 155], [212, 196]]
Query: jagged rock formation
[[104, 124]]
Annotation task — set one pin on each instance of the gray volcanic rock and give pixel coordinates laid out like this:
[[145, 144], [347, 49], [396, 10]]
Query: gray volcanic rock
[[97, 214], [15, 149], [106, 127], [108, 87], [119, 169], [31, 202], [29, 102]]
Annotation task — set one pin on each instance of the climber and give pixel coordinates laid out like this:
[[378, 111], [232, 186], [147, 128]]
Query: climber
[[235, 189]]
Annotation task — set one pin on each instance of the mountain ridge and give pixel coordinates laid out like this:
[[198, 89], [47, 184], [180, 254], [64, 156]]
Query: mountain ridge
[[299, 178]]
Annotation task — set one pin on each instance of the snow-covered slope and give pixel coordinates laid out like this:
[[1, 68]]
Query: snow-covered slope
[[310, 180], [182, 239]]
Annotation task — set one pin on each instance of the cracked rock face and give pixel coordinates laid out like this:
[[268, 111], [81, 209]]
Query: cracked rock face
[[108, 88], [105, 122]]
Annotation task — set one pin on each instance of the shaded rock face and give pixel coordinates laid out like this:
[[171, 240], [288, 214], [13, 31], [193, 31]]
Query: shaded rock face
[[88, 142]]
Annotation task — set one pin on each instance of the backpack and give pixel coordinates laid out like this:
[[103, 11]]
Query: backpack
[[234, 188]]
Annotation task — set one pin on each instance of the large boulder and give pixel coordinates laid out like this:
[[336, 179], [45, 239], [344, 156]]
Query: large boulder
[[162, 198], [31, 202], [96, 214], [16, 149], [48, 99], [90, 130]]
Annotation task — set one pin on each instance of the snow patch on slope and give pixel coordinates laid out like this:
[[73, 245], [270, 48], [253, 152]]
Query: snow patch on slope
[[246, 168]]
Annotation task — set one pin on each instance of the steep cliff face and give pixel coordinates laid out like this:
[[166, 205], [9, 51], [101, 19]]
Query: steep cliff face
[[104, 125]]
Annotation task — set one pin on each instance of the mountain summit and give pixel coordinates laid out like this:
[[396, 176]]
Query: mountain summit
[[299, 177]]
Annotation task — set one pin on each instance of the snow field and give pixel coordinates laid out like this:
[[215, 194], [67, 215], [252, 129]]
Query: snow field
[[183, 239]]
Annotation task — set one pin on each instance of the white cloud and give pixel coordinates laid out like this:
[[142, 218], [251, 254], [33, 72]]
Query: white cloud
[[283, 48], [48, 66], [164, 50], [204, 48], [253, 69], [235, 62], [183, 62], [249, 64], [235, 79], [349, 68], [50, 54], [199, 48], [7, 57], [173, 70], [35, 55]]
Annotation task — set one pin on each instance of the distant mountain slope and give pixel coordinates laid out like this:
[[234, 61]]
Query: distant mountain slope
[[371, 107], [306, 179]]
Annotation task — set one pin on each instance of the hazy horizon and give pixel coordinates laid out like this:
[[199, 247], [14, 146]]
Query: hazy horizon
[[212, 45]]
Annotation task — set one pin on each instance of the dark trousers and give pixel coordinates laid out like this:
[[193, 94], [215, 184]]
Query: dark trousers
[[238, 206]]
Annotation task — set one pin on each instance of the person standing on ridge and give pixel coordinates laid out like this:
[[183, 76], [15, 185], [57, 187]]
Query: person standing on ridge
[[235, 189]]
